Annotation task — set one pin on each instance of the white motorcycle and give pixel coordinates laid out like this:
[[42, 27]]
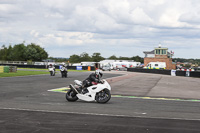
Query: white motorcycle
[[63, 72], [99, 92], [52, 71]]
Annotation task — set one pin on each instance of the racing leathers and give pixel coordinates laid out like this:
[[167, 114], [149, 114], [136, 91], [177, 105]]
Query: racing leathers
[[88, 81]]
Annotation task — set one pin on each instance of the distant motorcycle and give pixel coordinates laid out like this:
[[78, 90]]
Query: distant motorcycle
[[63, 72], [99, 92], [52, 71]]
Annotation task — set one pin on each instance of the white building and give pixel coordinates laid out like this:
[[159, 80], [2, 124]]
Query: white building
[[115, 64]]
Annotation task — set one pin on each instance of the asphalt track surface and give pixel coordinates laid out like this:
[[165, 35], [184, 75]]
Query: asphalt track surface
[[26, 106]]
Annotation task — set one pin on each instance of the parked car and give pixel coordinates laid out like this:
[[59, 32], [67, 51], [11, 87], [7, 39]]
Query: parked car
[[106, 68]]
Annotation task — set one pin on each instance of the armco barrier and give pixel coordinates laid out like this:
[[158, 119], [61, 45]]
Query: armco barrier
[[166, 72]]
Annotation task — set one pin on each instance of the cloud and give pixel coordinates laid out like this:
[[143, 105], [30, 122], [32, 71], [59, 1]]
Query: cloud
[[192, 18], [66, 39], [140, 17], [34, 33], [113, 24]]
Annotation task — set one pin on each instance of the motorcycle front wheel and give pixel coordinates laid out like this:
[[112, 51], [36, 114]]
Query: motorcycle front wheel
[[103, 96], [71, 96]]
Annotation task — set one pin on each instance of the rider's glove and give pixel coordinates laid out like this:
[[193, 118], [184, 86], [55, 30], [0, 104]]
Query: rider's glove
[[96, 80], [101, 81]]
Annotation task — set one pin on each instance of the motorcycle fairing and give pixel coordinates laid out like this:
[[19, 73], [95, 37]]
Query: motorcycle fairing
[[90, 96]]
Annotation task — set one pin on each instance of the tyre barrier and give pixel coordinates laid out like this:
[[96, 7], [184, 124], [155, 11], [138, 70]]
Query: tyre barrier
[[166, 72], [7, 69], [1, 69], [13, 69]]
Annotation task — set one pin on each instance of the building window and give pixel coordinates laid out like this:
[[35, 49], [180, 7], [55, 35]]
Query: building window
[[157, 51], [163, 51]]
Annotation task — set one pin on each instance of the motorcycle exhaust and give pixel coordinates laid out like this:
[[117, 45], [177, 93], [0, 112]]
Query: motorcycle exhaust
[[73, 88]]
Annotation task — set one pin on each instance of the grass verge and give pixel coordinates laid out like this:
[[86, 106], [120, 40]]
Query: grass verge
[[22, 73]]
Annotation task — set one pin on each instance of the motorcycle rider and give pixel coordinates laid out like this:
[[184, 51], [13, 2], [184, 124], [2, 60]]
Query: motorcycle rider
[[52, 66], [63, 70], [52, 69], [94, 77], [63, 66]]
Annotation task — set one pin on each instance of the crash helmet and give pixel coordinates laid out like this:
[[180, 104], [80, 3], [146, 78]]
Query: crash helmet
[[50, 65], [63, 64], [98, 73]]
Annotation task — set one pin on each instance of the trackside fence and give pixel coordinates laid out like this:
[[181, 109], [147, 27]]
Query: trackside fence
[[166, 72]]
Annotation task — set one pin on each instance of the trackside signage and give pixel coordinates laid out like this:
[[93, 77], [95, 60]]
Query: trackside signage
[[78, 67], [173, 72], [187, 74]]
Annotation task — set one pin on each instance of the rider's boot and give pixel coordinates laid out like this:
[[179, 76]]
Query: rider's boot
[[79, 89], [84, 90]]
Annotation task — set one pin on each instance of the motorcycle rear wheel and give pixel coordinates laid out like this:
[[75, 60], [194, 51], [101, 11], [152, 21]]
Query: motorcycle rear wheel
[[65, 74], [103, 96], [71, 96], [62, 74]]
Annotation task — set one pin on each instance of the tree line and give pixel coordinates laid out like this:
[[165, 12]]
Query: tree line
[[20, 52], [182, 60], [33, 52], [96, 57]]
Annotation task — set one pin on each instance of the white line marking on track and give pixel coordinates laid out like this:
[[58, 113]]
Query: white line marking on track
[[62, 112], [96, 114]]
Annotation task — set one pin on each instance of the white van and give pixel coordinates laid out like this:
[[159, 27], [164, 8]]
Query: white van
[[106, 67], [135, 64], [117, 65], [156, 65]]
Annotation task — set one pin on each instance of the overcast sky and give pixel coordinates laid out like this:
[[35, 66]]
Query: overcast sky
[[111, 27]]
